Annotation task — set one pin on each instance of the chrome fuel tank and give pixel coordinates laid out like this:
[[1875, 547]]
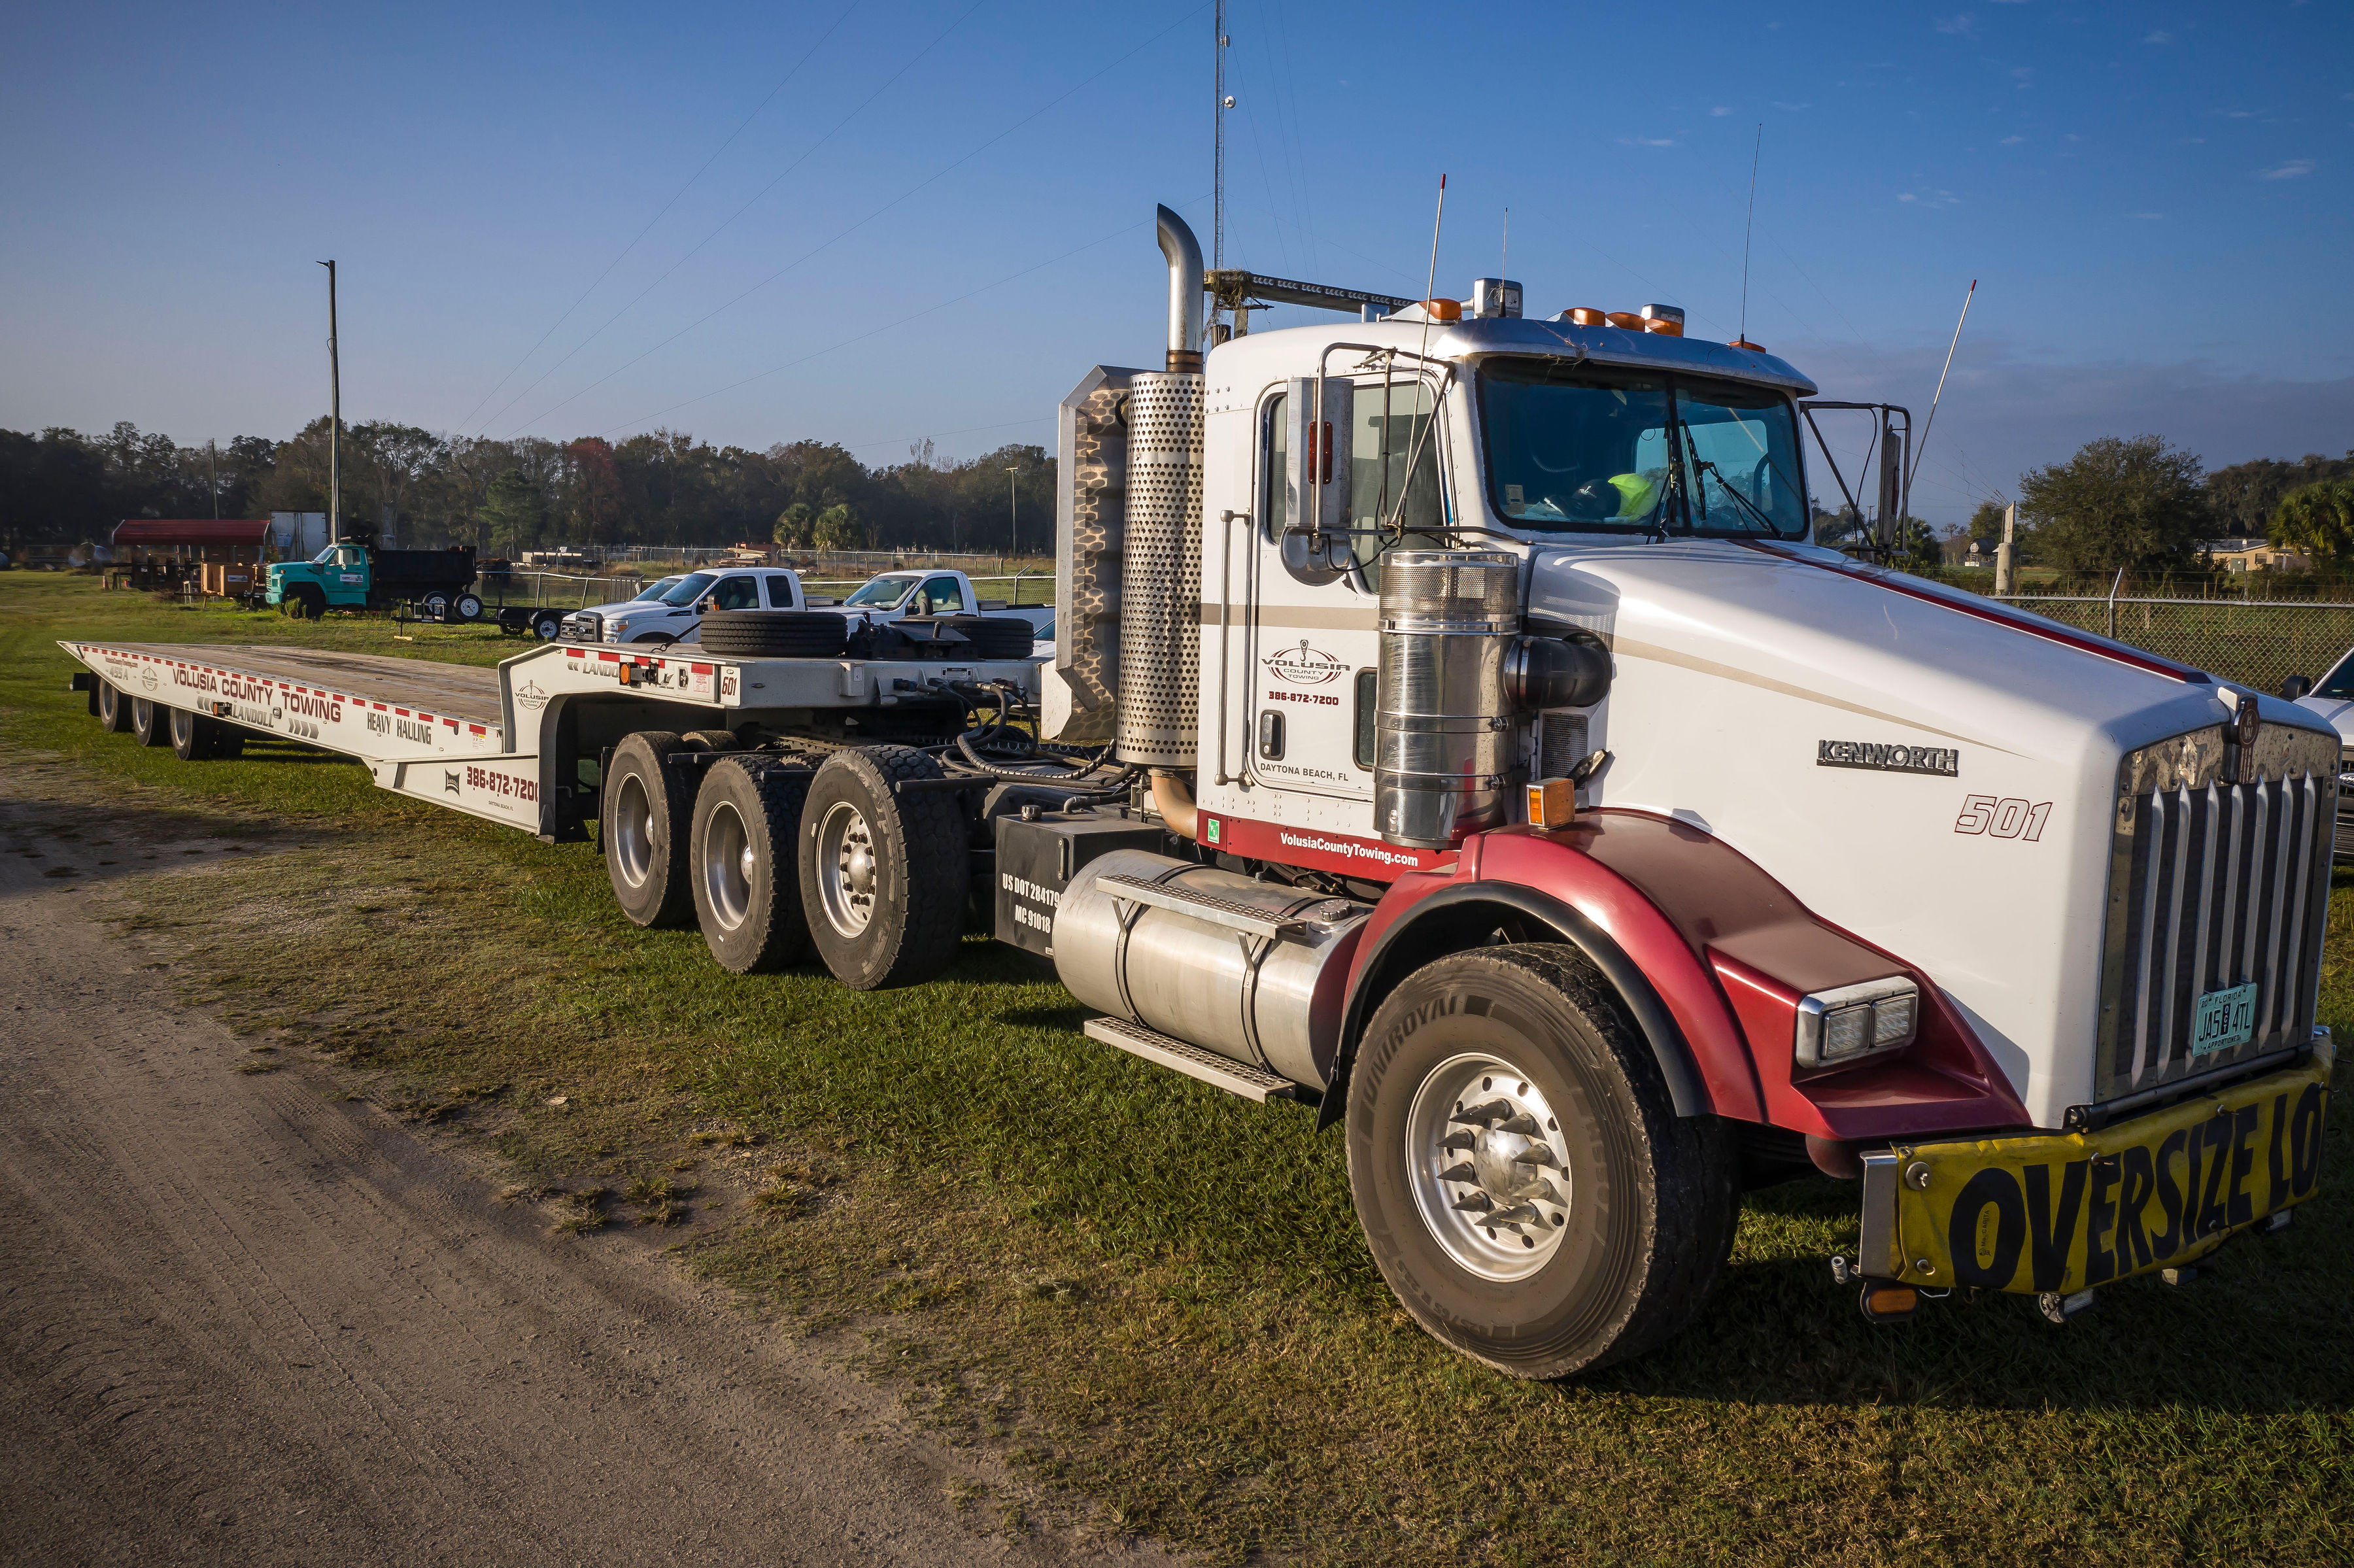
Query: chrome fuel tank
[[1256, 971], [1445, 745]]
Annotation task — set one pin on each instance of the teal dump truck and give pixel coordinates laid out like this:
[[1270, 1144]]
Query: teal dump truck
[[353, 575]]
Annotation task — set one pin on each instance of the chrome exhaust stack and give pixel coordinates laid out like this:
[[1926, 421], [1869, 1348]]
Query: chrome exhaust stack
[[1159, 640]]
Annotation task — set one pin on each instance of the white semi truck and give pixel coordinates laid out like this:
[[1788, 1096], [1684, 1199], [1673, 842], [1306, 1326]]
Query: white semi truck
[[1452, 726]]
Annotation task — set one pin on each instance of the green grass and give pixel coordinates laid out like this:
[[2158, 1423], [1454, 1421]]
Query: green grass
[[1153, 1297]]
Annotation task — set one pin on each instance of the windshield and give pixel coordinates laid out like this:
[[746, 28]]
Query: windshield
[[690, 588], [655, 591], [882, 593], [324, 557], [1579, 448]]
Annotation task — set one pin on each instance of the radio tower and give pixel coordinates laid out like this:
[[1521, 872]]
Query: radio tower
[[1220, 103]]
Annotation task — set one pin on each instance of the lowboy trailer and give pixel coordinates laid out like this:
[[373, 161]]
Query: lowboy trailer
[[1453, 726]]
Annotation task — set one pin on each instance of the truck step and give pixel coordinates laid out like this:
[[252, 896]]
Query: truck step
[[1167, 1051], [1244, 917]]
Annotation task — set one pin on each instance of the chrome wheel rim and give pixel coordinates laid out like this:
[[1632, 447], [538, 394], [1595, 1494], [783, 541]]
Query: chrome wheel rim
[[846, 872], [633, 832], [728, 866], [1484, 1156]]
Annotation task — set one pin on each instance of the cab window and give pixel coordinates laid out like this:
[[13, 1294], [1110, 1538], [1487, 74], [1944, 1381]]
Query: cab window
[[736, 593], [780, 592], [1393, 473], [940, 595]]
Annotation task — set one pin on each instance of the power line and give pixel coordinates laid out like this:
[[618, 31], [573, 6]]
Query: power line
[[658, 216], [806, 154], [874, 332], [870, 218]]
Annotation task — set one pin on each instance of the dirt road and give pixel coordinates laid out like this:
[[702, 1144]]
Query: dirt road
[[243, 1321]]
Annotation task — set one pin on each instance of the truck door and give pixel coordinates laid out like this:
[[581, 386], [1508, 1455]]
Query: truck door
[[347, 579], [740, 592], [939, 596], [780, 592], [1311, 640]]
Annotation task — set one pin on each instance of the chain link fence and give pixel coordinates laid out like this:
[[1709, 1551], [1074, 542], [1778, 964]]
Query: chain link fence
[[2258, 642]]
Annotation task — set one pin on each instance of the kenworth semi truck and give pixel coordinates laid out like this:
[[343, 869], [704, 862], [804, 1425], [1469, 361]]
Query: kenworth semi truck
[[1453, 727]]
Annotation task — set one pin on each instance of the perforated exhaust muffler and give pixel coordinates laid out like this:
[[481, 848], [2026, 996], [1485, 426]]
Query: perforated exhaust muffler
[[1160, 639]]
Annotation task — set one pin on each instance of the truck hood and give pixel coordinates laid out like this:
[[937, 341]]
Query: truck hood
[[1834, 724]]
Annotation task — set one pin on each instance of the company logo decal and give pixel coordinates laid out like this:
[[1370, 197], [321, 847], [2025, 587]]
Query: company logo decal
[[1944, 762], [450, 783], [531, 696], [147, 678], [1304, 665]]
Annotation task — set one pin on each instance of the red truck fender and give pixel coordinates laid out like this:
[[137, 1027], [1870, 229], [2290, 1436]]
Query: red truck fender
[[1710, 955]]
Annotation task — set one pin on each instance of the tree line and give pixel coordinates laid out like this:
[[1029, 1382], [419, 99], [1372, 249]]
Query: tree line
[[59, 486], [2142, 504]]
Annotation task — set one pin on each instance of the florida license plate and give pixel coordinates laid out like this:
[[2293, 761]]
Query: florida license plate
[[2065, 1211], [2223, 1019]]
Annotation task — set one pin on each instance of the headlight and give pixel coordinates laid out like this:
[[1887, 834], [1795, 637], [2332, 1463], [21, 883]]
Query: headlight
[[1852, 1020]]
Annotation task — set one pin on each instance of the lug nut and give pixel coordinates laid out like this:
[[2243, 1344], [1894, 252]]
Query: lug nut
[[1463, 1172], [1474, 1202]]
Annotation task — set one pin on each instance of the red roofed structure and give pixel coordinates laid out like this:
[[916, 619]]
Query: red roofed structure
[[194, 538]]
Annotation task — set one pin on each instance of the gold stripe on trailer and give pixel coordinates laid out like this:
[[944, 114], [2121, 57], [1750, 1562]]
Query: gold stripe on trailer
[[2064, 1211]]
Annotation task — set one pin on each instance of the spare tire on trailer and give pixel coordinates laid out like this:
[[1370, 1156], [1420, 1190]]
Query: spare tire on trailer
[[774, 633], [748, 884], [113, 708], [986, 636], [151, 722], [645, 820], [882, 873]]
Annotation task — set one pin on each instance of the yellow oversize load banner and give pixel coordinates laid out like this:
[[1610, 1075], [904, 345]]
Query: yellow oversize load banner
[[2063, 1212]]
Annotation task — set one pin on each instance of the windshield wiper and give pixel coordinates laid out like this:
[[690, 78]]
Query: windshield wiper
[[1730, 489]]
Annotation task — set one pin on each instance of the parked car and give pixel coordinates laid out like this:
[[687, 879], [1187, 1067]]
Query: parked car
[[2333, 698], [677, 615], [891, 596]]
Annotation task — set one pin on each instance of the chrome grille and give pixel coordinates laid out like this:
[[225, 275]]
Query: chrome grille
[[2219, 877], [2344, 844]]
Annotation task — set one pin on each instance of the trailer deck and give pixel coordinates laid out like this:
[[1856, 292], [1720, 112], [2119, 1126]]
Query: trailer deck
[[509, 744]]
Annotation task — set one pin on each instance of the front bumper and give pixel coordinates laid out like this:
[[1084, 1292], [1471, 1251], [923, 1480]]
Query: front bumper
[[2065, 1211]]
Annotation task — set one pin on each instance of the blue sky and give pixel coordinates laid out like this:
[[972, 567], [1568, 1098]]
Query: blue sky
[[2154, 202]]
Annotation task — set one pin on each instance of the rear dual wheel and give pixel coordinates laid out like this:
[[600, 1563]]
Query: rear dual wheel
[[1524, 1180], [883, 870], [197, 738], [151, 723], [113, 708], [748, 889]]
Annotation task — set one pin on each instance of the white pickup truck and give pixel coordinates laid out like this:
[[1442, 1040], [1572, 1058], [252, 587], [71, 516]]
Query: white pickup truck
[[676, 614], [890, 596]]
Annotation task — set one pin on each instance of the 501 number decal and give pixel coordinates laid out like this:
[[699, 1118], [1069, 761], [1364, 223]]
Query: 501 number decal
[[2013, 818]]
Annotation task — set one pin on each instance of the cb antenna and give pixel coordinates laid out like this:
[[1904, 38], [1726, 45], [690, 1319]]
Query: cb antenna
[[1750, 227], [1504, 257]]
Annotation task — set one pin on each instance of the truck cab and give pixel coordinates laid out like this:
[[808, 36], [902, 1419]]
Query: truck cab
[[354, 575], [677, 615], [1638, 812]]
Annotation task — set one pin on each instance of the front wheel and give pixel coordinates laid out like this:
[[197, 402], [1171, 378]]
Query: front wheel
[[1524, 1180], [548, 626]]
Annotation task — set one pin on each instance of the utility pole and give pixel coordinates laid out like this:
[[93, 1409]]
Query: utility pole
[[1014, 511], [212, 462], [2005, 553], [335, 419]]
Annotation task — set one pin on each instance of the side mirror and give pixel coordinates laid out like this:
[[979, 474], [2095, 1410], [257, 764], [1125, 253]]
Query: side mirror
[[1318, 445], [2296, 687]]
